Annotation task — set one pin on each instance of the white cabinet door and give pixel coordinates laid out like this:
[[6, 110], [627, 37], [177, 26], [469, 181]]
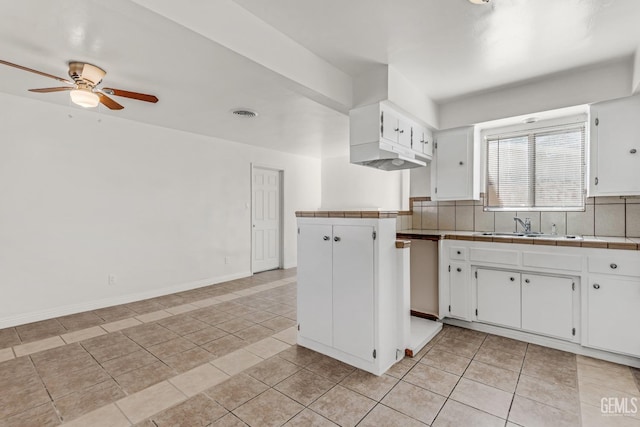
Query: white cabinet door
[[614, 314], [315, 297], [427, 142], [389, 125], [453, 173], [459, 291], [615, 156], [404, 133], [498, 298], [353, 290], [547, 305]]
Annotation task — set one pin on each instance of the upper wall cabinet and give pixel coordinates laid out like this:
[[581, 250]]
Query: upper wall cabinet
[[397, 136], [455, 170], [615, 148]]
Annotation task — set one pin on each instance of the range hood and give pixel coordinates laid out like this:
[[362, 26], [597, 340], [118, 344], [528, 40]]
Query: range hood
[[381, 155]]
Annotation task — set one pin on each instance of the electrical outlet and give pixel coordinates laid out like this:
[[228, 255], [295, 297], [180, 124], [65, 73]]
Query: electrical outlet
[[227, 260], [112, 279]]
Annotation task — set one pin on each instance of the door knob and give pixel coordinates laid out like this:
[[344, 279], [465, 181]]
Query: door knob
[[325, 238], [336, 239]]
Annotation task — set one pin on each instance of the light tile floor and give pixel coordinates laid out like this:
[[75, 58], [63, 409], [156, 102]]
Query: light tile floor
[[225, 355]]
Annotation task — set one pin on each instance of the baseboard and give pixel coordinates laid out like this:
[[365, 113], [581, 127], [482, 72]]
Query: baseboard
[[37, 316], [570, 347]]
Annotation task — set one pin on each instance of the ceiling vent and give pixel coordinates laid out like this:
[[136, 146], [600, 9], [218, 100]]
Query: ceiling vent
[[243, 112]]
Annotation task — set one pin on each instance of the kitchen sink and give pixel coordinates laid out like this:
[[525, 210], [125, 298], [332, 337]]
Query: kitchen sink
[[530, 235]]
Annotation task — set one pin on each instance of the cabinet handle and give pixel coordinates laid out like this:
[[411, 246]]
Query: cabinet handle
[[513, 279], [633, 151], [596, 286], [325, 238], [458, 269], [527, 281], [613, 266], [336, 239]]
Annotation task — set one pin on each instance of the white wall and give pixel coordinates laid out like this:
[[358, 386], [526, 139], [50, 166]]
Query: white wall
[[348, 186], [92, 195], [575, 87]]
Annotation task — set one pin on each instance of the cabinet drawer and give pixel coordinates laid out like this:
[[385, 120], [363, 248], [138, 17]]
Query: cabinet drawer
[[495, 256], [616, 264], [458, 253], [552, 261]]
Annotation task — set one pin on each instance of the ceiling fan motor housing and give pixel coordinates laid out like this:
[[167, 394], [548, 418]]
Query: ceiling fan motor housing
[[81, 72]]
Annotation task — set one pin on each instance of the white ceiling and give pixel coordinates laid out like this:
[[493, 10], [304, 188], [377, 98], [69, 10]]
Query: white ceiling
[[451, 48], [292, 60]]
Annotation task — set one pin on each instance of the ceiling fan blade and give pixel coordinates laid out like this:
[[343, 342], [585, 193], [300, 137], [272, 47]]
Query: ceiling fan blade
[[51, 89], [20, 67], [132, 95], [108, 102]]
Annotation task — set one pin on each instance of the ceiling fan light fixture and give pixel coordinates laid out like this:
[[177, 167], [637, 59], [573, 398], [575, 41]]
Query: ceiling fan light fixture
[[85, 98]]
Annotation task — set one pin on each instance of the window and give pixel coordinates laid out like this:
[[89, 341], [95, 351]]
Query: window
[[539, 169]]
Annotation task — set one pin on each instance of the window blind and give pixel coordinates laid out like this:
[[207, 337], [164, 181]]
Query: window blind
[[540, 169]]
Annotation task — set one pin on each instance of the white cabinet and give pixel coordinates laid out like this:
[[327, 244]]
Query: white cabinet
[[347, 291], [614, 314], [382, 122], [498, 297], [615, 147], [459, 295], [353, 296], [547, 305], [455, 169], [535, 303], [423, 141], [315, 292]]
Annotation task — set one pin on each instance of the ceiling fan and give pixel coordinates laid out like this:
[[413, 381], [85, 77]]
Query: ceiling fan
[[83, 89]]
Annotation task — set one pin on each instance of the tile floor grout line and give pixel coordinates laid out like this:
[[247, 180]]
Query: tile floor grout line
[[168, 380], [13, 348]]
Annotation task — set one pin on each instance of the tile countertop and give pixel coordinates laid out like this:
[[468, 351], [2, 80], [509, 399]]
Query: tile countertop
[[604, 242]]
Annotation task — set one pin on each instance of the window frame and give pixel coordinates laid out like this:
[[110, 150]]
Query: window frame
[[529, 129]]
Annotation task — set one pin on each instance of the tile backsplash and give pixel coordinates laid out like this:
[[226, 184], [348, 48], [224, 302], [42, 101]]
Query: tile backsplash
[[603, 216]]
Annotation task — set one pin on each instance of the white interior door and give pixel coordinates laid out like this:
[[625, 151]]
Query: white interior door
[[266, 219]]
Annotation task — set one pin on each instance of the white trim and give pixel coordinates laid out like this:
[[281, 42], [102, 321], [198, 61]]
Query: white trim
[[36, 316], [540, 126], [568, 346]]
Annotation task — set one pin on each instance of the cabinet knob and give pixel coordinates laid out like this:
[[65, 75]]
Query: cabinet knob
[[613, 266], [461, 163], [633, 151], [513, 279], [325, 238], [527, 281], [459, 252], [336, 239], [596, 286], [458, 269]]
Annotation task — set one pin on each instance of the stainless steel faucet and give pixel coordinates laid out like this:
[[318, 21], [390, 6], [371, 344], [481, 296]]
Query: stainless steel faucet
[[526, 224]]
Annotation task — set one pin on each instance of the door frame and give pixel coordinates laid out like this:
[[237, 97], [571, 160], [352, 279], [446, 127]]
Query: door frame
[[280, 171]]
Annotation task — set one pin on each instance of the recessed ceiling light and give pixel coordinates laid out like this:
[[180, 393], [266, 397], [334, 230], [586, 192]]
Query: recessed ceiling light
[[479, 1], [244, 112]]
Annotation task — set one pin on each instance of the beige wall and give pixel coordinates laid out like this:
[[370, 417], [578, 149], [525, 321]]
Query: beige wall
[[603, 216]]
